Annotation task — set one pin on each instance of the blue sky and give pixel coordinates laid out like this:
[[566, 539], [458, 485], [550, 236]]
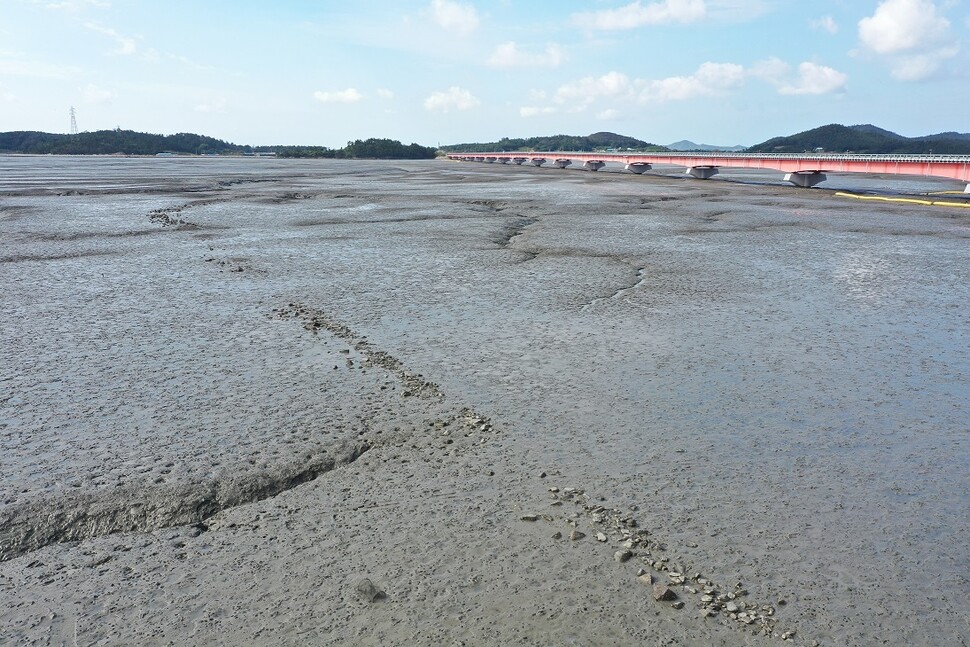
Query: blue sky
[[448, 71]]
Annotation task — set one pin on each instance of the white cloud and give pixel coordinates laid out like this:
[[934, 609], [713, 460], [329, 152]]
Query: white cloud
[[509, 55], [350, 95], [826, 23], [454, 16], [535, 111], [815, 79], [126, 45], [589, 89], [710, 79], [636, 14], [454, 98], [93, 94], [811, 78], [14, 64], [913, 34], [608, 115], [73, 5], [213, 107], [903, 25], [917, 67], [384, 93]]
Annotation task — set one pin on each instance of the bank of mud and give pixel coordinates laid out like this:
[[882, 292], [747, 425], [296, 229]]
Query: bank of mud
[[596, 408]]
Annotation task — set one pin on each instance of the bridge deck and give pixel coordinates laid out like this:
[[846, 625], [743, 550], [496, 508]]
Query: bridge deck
[[955, 167]]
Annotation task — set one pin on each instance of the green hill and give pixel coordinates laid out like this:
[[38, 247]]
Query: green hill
[[129, 142], [865, 138], [107, 142], [596, 141]]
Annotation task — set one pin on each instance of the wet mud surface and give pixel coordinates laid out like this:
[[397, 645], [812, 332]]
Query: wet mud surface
[[284, 402]]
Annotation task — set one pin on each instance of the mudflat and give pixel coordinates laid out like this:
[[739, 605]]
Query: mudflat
[[279, 402]]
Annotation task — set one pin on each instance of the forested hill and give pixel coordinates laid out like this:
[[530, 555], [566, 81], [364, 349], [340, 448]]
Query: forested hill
[[107, 142], [596, 141], [865, 138], [128, 142]]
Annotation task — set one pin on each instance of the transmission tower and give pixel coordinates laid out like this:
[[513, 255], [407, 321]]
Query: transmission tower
[[73, 121]]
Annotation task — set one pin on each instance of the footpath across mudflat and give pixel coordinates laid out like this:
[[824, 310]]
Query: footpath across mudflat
[[281, 402]]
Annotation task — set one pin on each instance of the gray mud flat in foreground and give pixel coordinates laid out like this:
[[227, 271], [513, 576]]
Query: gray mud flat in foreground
[[278, 402]]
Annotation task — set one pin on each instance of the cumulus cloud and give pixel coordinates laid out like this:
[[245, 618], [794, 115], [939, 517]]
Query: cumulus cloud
[[815, 79], [454, 16], [710, 79], [536, 111], [811, 78], [350, 95], [14, 64], [509, 55], [213, 107], [637, 14], [586, 90], [826, 23], [454, 98], [913, 35], [93, 94], [608, 115], [384, 93], [126, 46]]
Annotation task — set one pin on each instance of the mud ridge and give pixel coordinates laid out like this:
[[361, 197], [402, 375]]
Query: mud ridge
[[172, 216], [315, 319], [36, 524]]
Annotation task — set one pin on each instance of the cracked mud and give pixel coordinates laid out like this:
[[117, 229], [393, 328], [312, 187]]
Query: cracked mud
[[295, 402]]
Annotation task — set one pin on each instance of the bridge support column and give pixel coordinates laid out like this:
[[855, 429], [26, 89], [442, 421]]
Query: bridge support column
[[538, 161], [518, 160], [593, 165], [702, 172], [490, 160], [562, 163], [805, 179], [503, 160], [638, 167]]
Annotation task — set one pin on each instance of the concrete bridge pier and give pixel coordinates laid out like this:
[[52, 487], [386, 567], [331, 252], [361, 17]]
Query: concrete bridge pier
[[518, 160], [538, 161], [702, 172], [503, 160], [593, 165], [562, 163], [638, 167], [490, 160], [805, 179]]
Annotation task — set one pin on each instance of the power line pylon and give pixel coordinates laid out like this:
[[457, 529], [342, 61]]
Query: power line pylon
[[73, 121]]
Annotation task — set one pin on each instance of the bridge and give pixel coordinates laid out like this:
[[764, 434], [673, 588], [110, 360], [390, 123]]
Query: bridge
[[804, 170]]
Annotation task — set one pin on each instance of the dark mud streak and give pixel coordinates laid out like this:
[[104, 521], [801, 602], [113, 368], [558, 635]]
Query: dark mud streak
[[53, 257], [36, 524]]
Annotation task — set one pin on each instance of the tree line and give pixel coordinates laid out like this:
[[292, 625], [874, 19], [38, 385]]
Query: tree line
[[129, 142]]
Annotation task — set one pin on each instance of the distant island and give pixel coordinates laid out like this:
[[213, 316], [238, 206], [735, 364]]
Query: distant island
[[129, 142], [865, 138], [601, 141], [688, 146]]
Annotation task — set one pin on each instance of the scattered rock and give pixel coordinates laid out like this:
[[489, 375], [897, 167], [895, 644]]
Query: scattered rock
[[530, 517], [663, 593], [557, 535], [622, 556], [601, 537], [368, 592], [679, 604], [576, 535], [645, 579]]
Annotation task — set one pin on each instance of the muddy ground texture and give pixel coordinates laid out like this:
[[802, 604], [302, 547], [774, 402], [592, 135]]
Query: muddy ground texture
[[330, 402]]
